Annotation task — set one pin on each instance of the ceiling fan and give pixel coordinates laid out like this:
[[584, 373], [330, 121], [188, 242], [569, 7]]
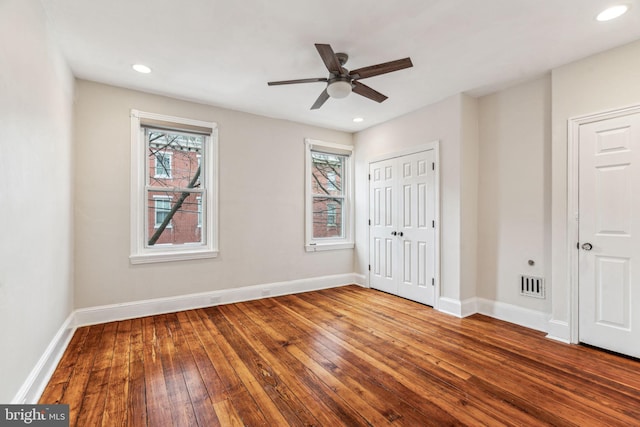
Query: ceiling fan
[[341, 82]]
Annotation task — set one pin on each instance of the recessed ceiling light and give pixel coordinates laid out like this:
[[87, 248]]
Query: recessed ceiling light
[[358, 120], [612, 13], [141, 68]]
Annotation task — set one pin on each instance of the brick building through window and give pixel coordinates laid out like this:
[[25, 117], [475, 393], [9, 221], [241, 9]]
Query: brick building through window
[[174, 163], [328, 194]]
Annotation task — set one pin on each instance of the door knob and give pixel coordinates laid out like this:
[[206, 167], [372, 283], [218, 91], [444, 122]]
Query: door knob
[[587, 246], [394, 233], [400, 234]]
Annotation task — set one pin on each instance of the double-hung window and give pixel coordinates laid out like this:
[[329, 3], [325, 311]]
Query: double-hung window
[[173, 188], [328, 206]]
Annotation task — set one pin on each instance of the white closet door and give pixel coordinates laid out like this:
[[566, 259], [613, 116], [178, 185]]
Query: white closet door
[[382, 250], [402, 233], [416, 227]]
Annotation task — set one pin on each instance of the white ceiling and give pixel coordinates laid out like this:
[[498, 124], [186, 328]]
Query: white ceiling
[[223, 52]]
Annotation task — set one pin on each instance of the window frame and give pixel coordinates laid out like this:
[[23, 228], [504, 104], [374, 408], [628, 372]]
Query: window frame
[[346, 241], [140, 252], [199, 221]]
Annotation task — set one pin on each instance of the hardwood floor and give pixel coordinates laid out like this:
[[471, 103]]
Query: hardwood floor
[[345, 356]]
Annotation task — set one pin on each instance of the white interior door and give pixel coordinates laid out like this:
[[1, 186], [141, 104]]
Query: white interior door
[[402, 230], [416, 227], [609, 221], [382, 202]]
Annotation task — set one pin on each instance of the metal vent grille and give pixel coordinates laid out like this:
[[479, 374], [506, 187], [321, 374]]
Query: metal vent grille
[[532, 286]]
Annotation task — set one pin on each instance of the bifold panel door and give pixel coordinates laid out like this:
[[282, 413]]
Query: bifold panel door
[[402, 230]]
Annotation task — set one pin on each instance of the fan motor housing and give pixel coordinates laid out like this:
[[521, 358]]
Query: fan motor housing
[[342, 58]]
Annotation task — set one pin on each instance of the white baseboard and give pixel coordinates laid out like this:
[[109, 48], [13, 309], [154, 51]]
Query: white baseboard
[[559, 330], [499, 310], [131, 310], [34, 385], [360, 279], [526, 317], [450, 306], [456, 307], [469, 306]]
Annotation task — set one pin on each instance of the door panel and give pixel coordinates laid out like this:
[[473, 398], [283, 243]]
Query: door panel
[[418, 233], [423, 263], [609, 281], [613, 212], [613, 301], [406, 262], [382, 201], [406, 206]]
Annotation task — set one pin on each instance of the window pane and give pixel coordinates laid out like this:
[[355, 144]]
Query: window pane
[[327, 171], [173, 218], [162, 210], [327, 217], [173, 158]]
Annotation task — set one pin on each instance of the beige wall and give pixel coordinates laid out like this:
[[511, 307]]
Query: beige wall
[[442, 121], [607, 81], [469, 169], [495, 188], [36, 92], [261, 202], [514, 187]]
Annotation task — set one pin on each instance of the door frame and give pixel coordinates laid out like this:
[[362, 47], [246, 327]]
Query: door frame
[[435, 146], [573, 211]]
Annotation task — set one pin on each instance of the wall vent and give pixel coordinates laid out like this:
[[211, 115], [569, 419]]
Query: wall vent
[[532, 286]]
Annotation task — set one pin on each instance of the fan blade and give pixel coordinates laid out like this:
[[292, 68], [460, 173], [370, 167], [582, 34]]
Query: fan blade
[[367, 92], [289, 82], [329, 58], [321, 100], [376, 70]]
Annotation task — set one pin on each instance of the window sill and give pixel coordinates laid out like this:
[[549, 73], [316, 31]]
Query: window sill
[[168, 256], [317, 247]]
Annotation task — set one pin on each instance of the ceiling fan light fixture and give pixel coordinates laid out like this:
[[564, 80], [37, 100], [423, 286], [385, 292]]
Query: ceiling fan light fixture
[[341, 82], [339, 89]]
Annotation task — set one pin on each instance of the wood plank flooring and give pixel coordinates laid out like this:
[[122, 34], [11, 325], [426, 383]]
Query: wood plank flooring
[[345, 356]]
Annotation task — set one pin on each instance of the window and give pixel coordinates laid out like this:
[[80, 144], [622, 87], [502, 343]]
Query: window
[[162, 209], [329, 215], [173, 188], [331, 180], [162, 164]]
